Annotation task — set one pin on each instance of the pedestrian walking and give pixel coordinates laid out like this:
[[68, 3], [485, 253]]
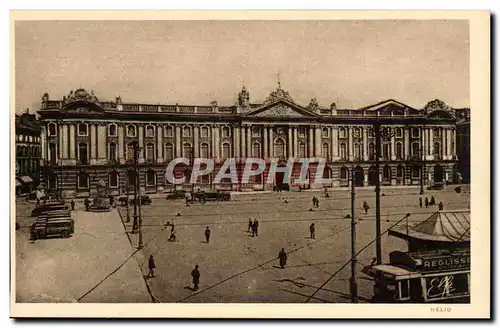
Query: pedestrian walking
[[72, 205], [207, 234], [257, 228], [254, 227], [433, 201], [317, 202], [420, 201], [426, 202], [250, 224], [314, 201], [152, 266], [282, 257], [173, 236], [366, 207], [312, 230], [196, 277], [441, 206], [87, 204]]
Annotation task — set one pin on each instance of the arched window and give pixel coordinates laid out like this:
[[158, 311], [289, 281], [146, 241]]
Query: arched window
[[169, 152], [344, 172], [112, 151], [226, 132], [186, 132], [342, 132], [357, 151], [204, 151], [399, 133], [325, 150], [343, 151], [256, 150], [279, 148], [356, 132], [226, 150], [150, 152], [150, 131], [131, 175], [399, 150], [52, 127], [82, 180], [415, 148], [83, 153], [415, 171], [112, 130], [302, 150], [371, 133], [113, 179], [324, 132], [204, 132], [256, 131], [150, 178], [386, 151], [131, 131], [302, 132], [82, 130], [415, 132], [187, 150], [399, 171], [371, 151], [169, 131], [386, 174], [130, 151]]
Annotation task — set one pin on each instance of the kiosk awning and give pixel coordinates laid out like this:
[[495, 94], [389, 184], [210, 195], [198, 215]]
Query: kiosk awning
[[18, 184], [25, 179]]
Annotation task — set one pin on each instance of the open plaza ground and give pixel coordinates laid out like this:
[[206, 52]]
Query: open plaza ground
[[234, 266]]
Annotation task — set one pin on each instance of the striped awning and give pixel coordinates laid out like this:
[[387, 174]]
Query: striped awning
[[25, 179]]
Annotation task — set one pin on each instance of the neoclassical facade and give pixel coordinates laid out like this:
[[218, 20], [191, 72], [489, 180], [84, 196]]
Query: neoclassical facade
[[85, 140]]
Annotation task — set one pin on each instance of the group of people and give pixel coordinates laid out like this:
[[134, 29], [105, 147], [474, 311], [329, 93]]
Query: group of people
[[195, 273], [254, 227], [431, 202]]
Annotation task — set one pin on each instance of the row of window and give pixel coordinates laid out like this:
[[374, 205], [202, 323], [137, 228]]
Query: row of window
[[386, 172], [27, 138], [27, 151], [168, 131]]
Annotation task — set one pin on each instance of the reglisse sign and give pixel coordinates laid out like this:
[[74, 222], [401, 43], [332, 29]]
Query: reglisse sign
[[446, 263]]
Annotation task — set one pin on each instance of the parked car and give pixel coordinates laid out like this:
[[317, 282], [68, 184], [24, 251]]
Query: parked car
[[436, 186], [56, 214], [49, 207], [212, 196], [145, 200], [52, 227], [177, 194]]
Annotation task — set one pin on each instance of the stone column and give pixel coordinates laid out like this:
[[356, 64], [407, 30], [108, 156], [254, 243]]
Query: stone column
[[407, 142], [243, 142], [431, 143], [271, 142], [93, 144], [141, 143], [350, 144], [335, 144], [266, 142], [43, 143], [249, 141], [159, 142], [290, 143], [121, 144], [365, 143], [295, 142], [72, 142], [196, 141], [318, 142], [236, 142], [310, 149], [393, 145], [178, 136], [212, 140], [454, 139], [448, 141], [365, 182], [102, 147], [217, 142], [443, 141]]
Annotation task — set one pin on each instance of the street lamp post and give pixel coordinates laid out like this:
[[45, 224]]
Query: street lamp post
[[137, 225], [353, 280], [422, 163]]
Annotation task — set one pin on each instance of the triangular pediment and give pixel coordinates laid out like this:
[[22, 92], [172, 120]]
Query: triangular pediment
[[281, 108], [390, 107]]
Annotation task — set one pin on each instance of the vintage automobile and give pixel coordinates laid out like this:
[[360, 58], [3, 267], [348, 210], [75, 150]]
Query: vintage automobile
[[177, 194], [145, 200], [209, 196], [52, 227], [49, 207], [436, 186], [56, 214]]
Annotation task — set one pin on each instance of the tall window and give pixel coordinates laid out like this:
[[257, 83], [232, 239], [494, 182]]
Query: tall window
[[226, 132], [399, 150], [169, 131], [386, 151], [131, 178], [415, 171], [187, 150], [112, 130], [204, 132], [150, 178], [356, 133], [324, 133], [204, 151], [82, 129], [150, 152], [279, 148], [436, 133], [82, 181], [256, 150], [225, 151], [112, 151], [302, 150], [399, 133], [342, 132], [52, 153], [371, 151], [415, 148], [169, 152], [52, 129], [324, 150], [343, 173], [386, 174], [357, 151], [415, 132], [302, 132], [131, 131], [113, 179], [399, 171], [343, 151], [83, 153], [186, 132], [150, 131], [371, 133], [437, 150], [256, 131], [130, 152]]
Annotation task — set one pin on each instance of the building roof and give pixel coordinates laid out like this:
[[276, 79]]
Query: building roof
[[442, 226]]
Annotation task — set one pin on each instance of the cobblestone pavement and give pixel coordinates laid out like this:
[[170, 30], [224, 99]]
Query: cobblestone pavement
[[236, 267], [63, 270]]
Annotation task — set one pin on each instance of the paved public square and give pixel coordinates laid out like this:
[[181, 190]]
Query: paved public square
[[234, 266]]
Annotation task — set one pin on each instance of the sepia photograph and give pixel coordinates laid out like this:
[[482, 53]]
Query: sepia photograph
[[321, 159]]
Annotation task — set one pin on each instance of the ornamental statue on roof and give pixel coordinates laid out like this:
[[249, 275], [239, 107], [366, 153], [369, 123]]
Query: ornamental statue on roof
[[313, 105], [81, 95], [244, 97], [436, 104], [278, 94]]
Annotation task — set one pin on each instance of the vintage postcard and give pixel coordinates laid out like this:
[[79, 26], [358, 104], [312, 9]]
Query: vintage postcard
[[250, 164]]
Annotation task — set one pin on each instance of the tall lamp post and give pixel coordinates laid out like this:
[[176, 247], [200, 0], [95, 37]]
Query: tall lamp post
[[137, 224], [353, 281], [422, 163]]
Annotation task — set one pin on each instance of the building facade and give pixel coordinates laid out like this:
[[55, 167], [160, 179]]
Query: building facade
[[85, 140], [463, 143], [28, 152]]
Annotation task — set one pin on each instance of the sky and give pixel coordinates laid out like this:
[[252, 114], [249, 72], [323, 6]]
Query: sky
[[351, 63]]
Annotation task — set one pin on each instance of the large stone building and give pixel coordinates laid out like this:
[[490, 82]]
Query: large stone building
[[463, 143], [27, 151], [85, 140]]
